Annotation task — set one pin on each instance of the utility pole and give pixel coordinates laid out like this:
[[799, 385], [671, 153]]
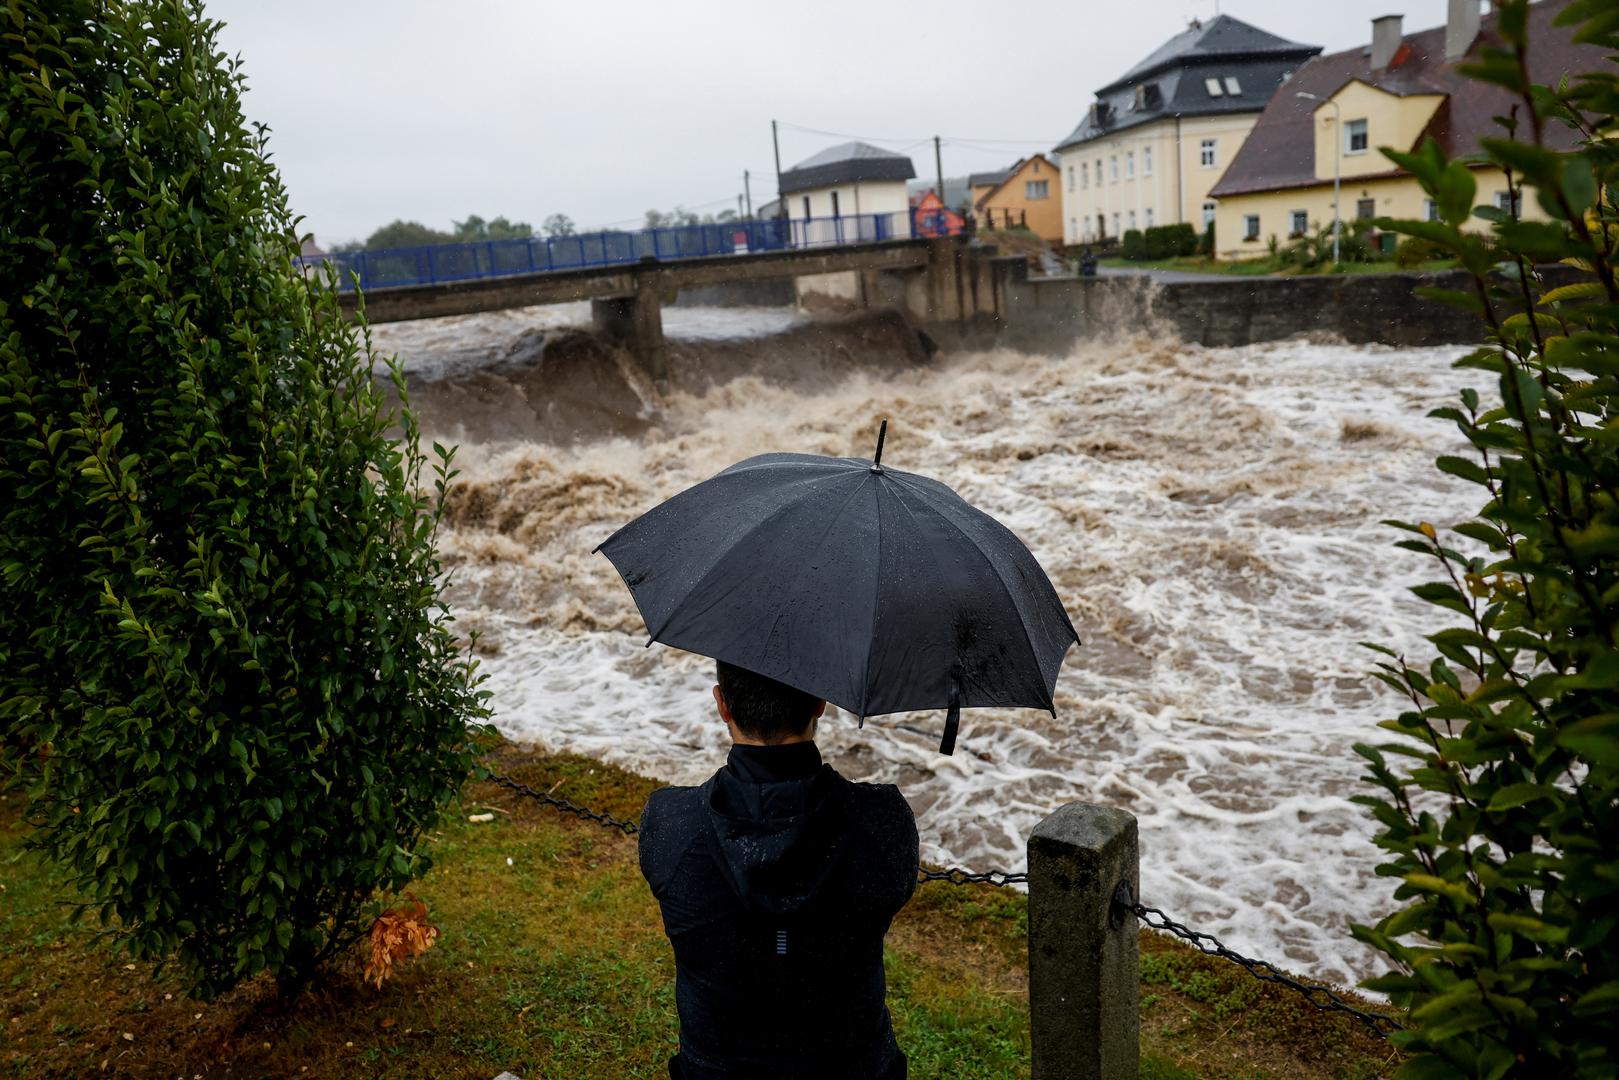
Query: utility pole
[[781, 200], [938, 165], [739, 206], [747, 190], [1337, 168]]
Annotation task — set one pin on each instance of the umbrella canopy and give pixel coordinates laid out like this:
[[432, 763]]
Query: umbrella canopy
[[878, 590]]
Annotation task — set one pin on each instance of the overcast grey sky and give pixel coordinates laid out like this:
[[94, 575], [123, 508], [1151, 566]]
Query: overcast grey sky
[[426, 110]]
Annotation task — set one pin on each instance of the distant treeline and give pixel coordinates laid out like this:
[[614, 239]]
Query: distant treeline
[[401, 233]]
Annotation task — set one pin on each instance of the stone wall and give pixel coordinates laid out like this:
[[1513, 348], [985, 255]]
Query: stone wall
[[1051, 314]]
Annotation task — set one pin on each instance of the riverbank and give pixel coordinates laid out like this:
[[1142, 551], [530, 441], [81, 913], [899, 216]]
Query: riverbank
[[552, 963]]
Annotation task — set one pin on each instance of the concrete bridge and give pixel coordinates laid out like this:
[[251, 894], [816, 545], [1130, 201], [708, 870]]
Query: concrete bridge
[[938, 281]]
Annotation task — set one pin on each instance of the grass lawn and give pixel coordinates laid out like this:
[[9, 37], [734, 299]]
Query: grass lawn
[[1246, 267], [552, 963]]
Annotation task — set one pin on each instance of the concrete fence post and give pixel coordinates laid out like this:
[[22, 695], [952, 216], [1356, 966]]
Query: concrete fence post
[[1084, 1009]]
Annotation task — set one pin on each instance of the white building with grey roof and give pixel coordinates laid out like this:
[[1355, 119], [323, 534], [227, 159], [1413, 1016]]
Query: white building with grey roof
[[1156, 140], [852, 181]]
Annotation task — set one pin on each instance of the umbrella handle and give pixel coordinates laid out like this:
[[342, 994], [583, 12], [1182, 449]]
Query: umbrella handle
[[952, 719]]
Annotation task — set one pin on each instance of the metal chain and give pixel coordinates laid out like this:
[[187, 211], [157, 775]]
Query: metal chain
[[629, 828], [955, 875], [1319, 996]]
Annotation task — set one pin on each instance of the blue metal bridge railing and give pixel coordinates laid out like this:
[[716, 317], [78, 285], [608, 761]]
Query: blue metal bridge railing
[[434, 263]]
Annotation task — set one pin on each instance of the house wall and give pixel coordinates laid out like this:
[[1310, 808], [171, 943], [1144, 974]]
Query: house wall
[[1043, 216], [862, 197], [1175, 190], [1396, 196], [1390, 121]]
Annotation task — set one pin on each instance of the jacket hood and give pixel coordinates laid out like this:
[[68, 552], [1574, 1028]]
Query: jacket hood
[[778, 839]]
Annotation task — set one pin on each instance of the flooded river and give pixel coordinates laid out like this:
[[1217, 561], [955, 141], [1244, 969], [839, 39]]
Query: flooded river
[[1208, 516]]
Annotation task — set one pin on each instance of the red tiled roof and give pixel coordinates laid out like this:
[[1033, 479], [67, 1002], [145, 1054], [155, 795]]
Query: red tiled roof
[[1280, 150]]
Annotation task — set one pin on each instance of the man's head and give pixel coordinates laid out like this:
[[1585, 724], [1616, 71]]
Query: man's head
[[761, 710]]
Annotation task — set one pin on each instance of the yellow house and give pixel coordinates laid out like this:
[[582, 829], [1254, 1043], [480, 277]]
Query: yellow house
[[1336, 112], [1026, 195], [1156, 138]]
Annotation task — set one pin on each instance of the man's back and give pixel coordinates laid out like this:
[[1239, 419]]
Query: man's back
[[778, 879]]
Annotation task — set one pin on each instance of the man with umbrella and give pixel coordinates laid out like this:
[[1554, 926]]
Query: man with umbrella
[[777, 879], [809, 580]]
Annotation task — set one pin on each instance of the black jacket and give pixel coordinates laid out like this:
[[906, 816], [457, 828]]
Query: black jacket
[[778, 879]]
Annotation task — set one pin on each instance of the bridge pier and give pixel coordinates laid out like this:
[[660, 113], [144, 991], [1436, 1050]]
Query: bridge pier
[[636, 322]]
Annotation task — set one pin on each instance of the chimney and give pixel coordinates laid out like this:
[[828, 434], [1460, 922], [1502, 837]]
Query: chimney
[[1386, 39], [1461, 28]]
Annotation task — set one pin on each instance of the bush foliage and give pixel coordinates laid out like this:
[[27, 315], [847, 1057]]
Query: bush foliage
[[1499, 802], [1159, 242], [227, 682]]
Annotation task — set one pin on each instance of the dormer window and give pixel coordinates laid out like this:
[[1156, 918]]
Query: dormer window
[[1232, 86], [1213, 87]]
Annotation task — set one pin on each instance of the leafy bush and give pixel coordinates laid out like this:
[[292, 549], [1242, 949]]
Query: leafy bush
[[1170, 241], [1159, 242], [1414, 251], [226, 680], [1499, 803]]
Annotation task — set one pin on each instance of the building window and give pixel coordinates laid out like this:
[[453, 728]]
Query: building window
[[1037, 166], [1365, 209], [1129, 163], [807, 214], [1250, 227], [1208, 214], [1116, 223], [1232, 86], [1149, 217], [1070, 178], [1084, 174], [1113, 167], [1073, 227], [1510, 202], [1146, 161], [1034, 190], [1430, 210], [1098, 172], [1205, 153], [1301, 223], [1355, 137], [1132, 219], [1213, 87]]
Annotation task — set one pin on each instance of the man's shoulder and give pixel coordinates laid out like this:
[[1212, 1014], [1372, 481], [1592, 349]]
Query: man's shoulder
[[670, 808], [673, 819], [880, 805]]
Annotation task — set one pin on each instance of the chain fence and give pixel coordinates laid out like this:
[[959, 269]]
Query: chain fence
[[1319, 996], [1323, 998]]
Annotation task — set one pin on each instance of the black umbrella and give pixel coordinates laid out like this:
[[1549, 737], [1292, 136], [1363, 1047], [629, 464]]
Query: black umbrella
[[878, 590]]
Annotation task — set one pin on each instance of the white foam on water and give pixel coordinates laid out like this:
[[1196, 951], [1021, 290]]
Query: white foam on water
[[1210, 519]]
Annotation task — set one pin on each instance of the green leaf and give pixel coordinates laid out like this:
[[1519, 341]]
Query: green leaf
[[1513, 795]]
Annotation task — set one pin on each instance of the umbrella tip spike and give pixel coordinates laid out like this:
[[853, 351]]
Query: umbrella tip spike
[[877, 458]]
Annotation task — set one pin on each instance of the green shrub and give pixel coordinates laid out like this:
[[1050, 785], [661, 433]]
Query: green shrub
[[1414, 251], [226, 680], [1133, 245], [1499, 801], [1170, 241]]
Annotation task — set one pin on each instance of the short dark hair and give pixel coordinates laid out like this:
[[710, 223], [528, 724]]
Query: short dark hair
[[763, 708]]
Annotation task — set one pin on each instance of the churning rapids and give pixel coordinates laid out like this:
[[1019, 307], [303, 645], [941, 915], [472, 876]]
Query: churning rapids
[[1208, 516]]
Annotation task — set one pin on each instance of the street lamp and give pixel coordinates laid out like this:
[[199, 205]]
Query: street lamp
[[1337, 161]]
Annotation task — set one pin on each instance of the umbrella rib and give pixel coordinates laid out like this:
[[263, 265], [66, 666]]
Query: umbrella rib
[[1023, 623]]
